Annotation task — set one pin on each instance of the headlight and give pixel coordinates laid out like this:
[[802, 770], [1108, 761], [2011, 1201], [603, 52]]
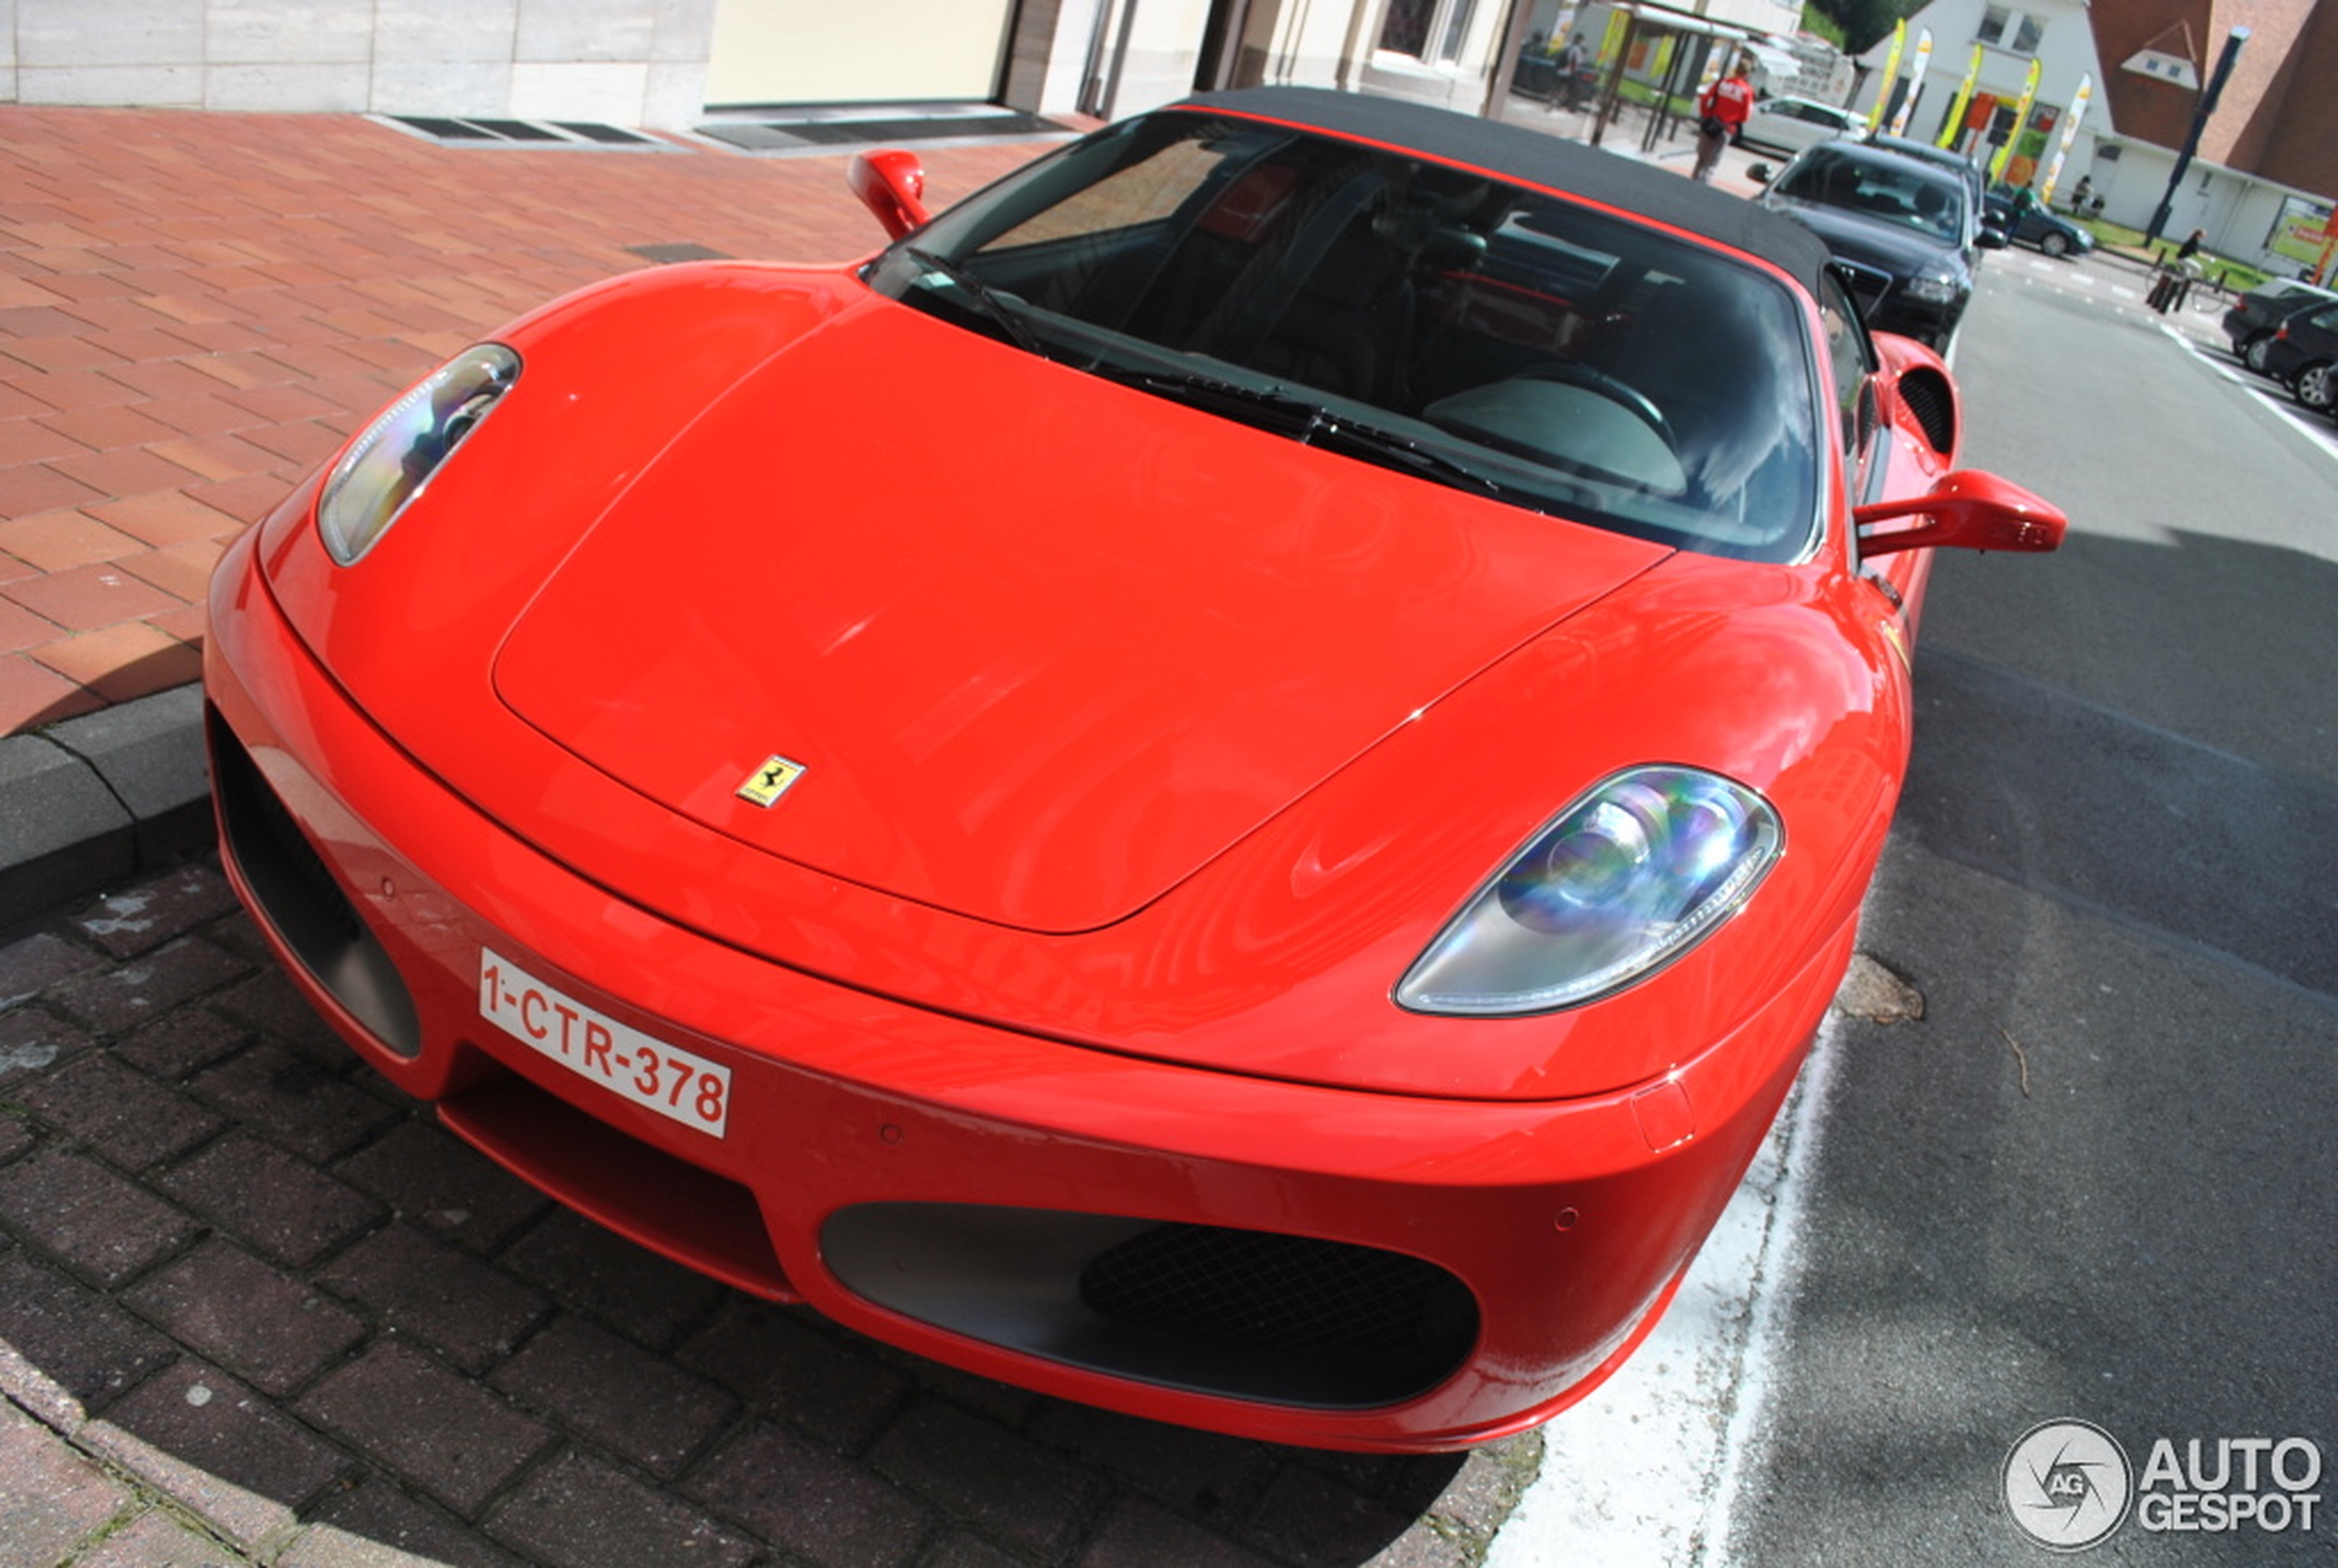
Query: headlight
[[1624, 882], [1940, 288], [387, 466]]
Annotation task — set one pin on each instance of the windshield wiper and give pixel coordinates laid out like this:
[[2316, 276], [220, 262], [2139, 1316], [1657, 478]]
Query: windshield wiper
[[1389, 449], [990, 303], [1307, 422], [1282, 413]]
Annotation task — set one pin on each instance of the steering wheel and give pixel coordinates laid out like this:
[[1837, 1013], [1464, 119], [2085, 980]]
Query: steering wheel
[[1575, 374]]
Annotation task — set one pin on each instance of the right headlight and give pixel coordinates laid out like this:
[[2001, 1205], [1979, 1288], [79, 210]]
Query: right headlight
[[387, 466], [1627, 879]]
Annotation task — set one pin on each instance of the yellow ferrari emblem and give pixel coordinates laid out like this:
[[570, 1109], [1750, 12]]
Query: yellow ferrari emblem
[[1898, 639], [768, 783]]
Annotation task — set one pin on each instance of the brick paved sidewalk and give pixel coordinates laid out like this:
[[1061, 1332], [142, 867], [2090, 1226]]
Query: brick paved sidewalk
[[257, 1307], [195, 308]]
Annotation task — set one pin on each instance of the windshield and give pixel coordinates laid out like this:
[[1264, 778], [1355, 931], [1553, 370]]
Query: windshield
[[1405, 312], [1895, 193]]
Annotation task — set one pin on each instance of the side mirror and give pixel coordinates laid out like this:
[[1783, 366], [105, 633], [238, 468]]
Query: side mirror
[[1967, 510], [892, 185], [1992, 237], [1760, 173]]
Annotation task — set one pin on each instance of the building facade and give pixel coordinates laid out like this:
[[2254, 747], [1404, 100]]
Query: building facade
[[663, 63], [2260, 188]]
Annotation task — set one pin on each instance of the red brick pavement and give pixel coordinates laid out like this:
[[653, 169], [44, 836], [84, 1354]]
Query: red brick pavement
[[195, 308]]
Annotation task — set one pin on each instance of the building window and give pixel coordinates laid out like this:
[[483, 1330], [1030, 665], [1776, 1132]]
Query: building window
[[1429, 30], [2005, 29]]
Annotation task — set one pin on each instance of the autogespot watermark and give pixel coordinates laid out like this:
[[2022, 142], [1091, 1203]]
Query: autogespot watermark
[[2069, 1485]]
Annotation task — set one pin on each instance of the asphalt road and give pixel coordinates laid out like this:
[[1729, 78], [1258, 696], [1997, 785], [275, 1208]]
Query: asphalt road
[[2095, 1182]]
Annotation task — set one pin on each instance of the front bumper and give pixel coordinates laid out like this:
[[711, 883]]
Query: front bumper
[[1276, 1260]]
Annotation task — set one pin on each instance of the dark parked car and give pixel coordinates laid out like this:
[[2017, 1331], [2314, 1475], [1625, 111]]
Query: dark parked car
[[2050, 232], [2249, 325], [2303, 353], [1956, 163], [1902, 228]]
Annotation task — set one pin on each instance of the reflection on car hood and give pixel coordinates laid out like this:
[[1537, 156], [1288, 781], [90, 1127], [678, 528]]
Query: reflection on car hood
[[1042, 644], [1853, 237]]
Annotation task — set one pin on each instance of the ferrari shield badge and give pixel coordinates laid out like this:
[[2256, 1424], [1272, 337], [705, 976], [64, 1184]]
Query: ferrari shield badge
[[769, 782]]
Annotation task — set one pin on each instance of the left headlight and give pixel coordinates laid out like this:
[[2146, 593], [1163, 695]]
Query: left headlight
[[1940, 287], [388, 464], [1627, 879]]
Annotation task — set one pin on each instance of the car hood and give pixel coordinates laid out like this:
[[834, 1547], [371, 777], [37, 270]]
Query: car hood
[[1041, 645], [1890, 247]]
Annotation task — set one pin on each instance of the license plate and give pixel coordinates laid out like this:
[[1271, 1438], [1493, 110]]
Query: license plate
[[661, 1077]]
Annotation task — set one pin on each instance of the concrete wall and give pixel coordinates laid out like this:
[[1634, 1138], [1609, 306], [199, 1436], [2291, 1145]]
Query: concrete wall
[[623, 62]]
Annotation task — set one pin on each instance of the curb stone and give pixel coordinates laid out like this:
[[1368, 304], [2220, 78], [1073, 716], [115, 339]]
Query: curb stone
[[86, 803]]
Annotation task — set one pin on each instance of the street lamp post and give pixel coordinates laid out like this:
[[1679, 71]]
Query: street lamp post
[[2233, 42]]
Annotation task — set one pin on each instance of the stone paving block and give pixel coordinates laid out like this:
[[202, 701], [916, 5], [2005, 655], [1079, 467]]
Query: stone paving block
[[268, 1002], [443, 1433], [962, 1551], [412, 1284], [812, 1501], [784, 1361], [583, 1513], [220, 1448], [284, 1209], [155, 1540], [51, 1497], [30, 964], [616, 1395], [1033, 1498], [1137, 1534], [151, 911], [124, 1114], [32, 1041], [1313, 1521], [36, 1393], [1201, 1475], [123, 997], [371, 1524], [289, 1099], [99, 1222], [434, 1178], [89, 1346], [175, 1048], [257, 1322], [632, 1290]]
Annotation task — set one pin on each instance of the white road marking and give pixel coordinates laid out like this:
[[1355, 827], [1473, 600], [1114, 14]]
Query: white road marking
[[1648, 1471], [2320, 429]]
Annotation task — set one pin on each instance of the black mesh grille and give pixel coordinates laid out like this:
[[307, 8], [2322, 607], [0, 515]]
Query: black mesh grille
[[294, 892], [1928, 397], [1282, 1292]]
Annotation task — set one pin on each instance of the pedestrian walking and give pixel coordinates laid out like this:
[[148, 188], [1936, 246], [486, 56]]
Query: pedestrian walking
[[1721, 115]]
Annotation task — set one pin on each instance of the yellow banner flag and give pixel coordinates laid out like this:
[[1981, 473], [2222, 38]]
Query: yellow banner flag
[[1890, 74], [2020, 119], [1954, 126]]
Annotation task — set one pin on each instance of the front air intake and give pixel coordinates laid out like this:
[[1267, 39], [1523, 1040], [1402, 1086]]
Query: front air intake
[[1242, 1314], [294, 891]]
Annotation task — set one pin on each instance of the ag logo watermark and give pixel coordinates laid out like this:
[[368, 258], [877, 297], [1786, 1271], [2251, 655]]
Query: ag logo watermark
[[2069, 1485]]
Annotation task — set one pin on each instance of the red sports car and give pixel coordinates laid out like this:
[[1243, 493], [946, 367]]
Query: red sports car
[[1227, 782]]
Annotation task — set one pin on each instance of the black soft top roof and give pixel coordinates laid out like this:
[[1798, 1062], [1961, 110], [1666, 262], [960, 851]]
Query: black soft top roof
[[1530, 158]]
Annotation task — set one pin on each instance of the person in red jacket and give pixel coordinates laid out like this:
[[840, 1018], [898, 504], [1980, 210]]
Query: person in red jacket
[[1721, 115]]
